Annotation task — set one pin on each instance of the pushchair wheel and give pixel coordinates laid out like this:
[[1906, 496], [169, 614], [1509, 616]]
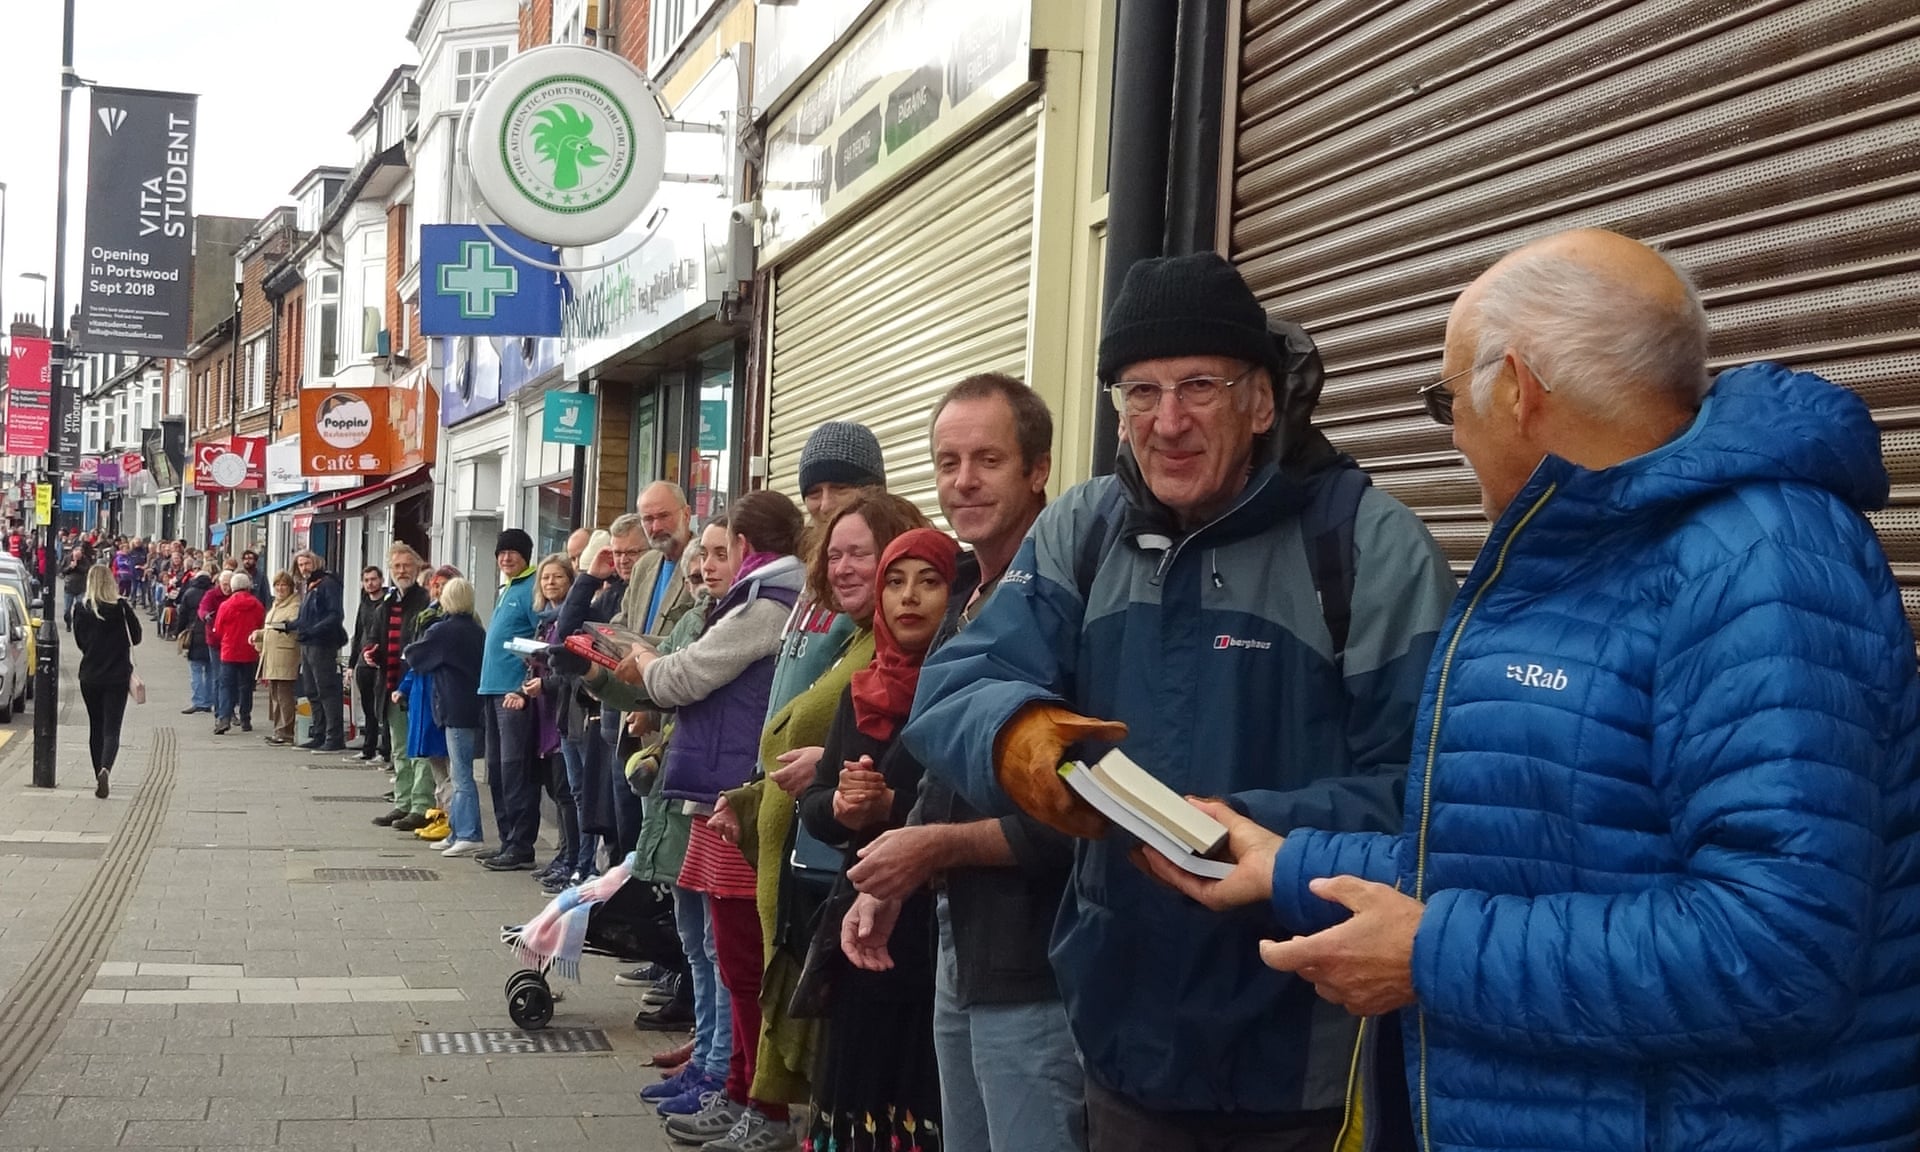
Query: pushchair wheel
[[530, 1003], [514, 980]]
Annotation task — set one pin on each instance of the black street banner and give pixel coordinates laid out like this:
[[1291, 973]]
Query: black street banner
[[137, 289]]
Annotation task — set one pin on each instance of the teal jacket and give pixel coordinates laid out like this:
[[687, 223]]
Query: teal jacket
[[501, 671]]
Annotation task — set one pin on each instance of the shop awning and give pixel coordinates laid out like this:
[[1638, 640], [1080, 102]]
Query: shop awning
[[372, 497], [277, 506]]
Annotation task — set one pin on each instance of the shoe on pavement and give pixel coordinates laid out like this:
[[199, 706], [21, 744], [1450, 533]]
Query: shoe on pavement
[[673, 1016], [698, 1095], [437, 830], [246, 725], [277, 741], [554, 885], [672, 1086], [645, 976], [665, 989], [341, 747], [462, 848], [755, 1133], [716, 1117], [388, 820], [509, 862], [412, 822], [311, 745], [673, 1059], [190, 710], [221, 729], [100, 782]]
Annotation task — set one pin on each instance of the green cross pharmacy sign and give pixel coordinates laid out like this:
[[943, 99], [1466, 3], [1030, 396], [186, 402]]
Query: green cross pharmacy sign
[[477, 280]]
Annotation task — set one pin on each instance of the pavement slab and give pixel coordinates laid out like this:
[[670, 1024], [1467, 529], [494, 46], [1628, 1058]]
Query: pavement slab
[[231, 1000]]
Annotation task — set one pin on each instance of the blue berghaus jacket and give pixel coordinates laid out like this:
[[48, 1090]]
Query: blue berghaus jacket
[[513, 618], [1214, 650], [1663, 806]]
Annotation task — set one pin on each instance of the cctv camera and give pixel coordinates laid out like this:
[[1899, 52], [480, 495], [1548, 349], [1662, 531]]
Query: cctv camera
[[748, 212]]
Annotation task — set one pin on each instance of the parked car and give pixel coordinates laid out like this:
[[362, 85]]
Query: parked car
[[15, 673], [12, 595]]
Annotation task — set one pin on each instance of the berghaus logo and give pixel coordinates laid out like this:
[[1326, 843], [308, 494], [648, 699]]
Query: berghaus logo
[[1222, 643], [1538, 676]]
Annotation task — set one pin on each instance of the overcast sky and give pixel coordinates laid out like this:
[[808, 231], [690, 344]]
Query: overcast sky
[[280, 83]]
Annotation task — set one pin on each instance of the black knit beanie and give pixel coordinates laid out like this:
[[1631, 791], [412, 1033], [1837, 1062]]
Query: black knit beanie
[[1193, 305], [841, 452], [514, 540]]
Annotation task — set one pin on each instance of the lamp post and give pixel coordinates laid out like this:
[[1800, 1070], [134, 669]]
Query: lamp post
[[46, 706]]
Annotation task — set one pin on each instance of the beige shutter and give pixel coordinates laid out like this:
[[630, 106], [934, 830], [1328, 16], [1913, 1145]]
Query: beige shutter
[[925, 287], [1384, 155]]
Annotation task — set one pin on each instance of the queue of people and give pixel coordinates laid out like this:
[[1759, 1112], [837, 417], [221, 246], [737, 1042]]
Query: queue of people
[[1615, 846]]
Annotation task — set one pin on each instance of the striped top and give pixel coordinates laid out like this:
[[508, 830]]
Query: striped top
[[714, 866]]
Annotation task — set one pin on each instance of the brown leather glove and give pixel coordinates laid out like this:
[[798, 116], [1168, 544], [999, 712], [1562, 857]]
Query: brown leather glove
[[1026, 758]]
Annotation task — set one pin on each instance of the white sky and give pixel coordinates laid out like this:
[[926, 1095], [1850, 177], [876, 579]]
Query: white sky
[[280, 83]]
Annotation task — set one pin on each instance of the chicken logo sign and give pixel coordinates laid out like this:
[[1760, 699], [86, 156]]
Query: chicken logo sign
[[345, 432], [567, 144]]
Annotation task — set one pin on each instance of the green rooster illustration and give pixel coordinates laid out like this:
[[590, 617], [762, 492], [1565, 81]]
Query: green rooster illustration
[[564, 136]]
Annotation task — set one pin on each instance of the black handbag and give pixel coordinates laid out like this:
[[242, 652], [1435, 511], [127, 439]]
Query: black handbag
[[825, 963]]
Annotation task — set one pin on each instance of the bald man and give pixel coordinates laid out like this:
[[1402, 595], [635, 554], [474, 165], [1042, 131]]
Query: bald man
[[1659, 884], [656, 598]]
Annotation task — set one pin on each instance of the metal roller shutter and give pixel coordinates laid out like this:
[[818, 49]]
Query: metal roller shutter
[[926, 287], [1385, 154]]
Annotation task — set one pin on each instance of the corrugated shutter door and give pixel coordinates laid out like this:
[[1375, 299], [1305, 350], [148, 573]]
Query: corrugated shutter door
[[1385, 154], [926, 287]]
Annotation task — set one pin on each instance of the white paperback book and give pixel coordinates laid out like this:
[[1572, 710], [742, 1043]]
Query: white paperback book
[[1148, 832], [524, 646]]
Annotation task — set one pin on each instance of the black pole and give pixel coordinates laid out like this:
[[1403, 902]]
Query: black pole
[[1193, 181], [46, 688], [1140, 139]]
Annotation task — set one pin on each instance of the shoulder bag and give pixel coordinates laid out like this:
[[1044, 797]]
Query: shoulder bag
[[136, 687]]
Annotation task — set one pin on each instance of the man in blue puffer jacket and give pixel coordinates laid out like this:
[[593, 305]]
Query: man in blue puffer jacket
[[1659, 884], [512, 758]]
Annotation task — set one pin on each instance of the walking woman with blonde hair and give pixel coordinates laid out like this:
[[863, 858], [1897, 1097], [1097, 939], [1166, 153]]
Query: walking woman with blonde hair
[[106, 629]]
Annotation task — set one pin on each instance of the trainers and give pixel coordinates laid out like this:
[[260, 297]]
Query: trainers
[[462, 848], [438, 830], [672, 1086], [645, 976], [711, 1116], [755, 1133], [391, 818]]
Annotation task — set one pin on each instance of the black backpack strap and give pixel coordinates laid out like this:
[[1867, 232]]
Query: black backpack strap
[[1326, 525], [1109, 515]]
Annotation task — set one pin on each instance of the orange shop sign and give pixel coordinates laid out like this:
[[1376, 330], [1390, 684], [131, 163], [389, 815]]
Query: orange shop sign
[[346, 431]]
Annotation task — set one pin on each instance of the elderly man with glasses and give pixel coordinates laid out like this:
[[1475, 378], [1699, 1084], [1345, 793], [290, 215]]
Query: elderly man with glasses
[[1659, 878], [1247, 618]]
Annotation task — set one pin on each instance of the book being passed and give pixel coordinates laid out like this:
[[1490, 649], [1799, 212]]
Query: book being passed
[[1159, 817]]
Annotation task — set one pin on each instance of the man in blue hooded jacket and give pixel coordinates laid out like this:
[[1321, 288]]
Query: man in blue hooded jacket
[[1659, 884], [1176, 606]]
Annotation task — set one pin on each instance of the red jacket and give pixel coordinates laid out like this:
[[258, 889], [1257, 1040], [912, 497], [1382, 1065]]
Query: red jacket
[[239, 617]]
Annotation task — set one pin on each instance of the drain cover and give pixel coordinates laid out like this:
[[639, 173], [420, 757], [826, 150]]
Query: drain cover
[[512, 1042], [374, 874], [53, 851], [346, 799]]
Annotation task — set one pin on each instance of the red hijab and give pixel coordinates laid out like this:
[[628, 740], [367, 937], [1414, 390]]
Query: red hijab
[[883, 690]]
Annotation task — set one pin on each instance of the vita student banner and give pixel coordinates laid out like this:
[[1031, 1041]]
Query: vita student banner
[[29, 396], [137, 291]]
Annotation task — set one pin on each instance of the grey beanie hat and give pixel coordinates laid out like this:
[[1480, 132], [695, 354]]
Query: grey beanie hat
[[841, 452]]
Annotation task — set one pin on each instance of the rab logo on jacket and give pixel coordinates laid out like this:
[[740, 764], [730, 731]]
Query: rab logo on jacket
[[1535, 676], [1222, 643]]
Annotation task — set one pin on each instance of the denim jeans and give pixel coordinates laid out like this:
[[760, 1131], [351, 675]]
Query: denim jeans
[[513, 775], [235, 694], [464, 810], [200, 676], [712, 1008], [586, 856], [1010, 1079]]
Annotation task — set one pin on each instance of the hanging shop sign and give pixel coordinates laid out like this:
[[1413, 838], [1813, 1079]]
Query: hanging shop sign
[[283, 466], [713, 425], [43, 503], [567, 144], [108, 474], [136, 294], [71, 501], [345, 430], [29, 397], [918, 74], [472, 286], [413, 414], [132, 464], [570, 418], [237, 463]]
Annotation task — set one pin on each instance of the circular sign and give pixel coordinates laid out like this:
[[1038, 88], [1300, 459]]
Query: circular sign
[[228, 469], [344, 421], [567, 144]]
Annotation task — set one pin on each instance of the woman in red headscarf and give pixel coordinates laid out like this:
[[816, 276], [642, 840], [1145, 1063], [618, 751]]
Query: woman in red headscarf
[[879, 1079]]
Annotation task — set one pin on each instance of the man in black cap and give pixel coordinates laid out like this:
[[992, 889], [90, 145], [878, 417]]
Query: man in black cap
[[1242, 613], [508, 716]]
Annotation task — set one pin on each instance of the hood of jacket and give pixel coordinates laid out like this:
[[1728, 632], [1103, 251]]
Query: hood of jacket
[[1760, 423]]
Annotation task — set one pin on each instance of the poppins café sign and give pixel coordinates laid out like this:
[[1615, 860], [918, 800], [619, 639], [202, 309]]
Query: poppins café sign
[[369, 431]]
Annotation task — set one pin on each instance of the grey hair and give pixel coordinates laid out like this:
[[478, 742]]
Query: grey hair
[[678, 493], [241, 582], [627, 525], [1589, 336]]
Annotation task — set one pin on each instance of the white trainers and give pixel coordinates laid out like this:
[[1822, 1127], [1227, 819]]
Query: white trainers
[[461, 848], [441, 845]]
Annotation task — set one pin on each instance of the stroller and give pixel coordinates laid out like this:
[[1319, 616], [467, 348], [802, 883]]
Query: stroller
[[613, 915]]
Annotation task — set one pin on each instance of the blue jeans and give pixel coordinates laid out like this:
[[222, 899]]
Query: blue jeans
[[200, 676], [586, 856], [464, 812], [513, 779], [712, 1007], [1010, 1079]]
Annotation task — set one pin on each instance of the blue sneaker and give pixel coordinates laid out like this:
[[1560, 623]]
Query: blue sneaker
[[696, 1096], [672, 1086]]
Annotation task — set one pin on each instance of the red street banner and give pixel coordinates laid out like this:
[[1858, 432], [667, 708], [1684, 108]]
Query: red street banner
[[29, 396], [241, 463]]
